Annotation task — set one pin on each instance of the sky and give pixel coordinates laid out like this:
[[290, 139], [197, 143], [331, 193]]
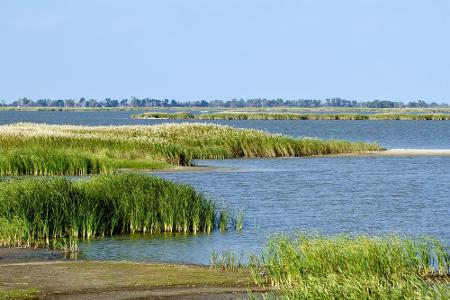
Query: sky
[[223, 49]]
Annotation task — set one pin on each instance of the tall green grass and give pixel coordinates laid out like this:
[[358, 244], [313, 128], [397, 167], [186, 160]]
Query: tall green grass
[[346, 267], [291, 116], [33, 211], [55, 162], [40, 149]]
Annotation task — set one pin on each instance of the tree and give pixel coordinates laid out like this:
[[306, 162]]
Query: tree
[[91, 103], [124, 102], [111, 102], [69, 103], [43, 102], [136, 102], [82, 101], [23, 102]]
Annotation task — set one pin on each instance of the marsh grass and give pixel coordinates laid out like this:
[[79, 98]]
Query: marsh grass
[[24, 161], [346, 267], [223, 219], [294, 116], [227, 261], [35, 211], [68, 247], [40, 149], [237, 220]]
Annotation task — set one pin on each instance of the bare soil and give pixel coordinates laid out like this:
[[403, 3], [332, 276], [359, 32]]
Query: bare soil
[[123, 280]]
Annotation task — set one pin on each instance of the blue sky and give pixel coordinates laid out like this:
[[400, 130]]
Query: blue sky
[[223, 49]]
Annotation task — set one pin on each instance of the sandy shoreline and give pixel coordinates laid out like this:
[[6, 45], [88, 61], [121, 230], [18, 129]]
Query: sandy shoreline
[[412, 152], [383, 153]]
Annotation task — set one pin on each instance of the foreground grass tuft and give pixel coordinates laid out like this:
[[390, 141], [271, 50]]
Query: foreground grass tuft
[[40, 149], [34, 211], [345, 267]]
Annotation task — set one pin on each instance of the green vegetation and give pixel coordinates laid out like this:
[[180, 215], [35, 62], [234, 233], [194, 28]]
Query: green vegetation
[[33, 211], [40, 149], [165, 115], [345, 267], [227, 261], [232, 109], [289, 116], [9, 294]]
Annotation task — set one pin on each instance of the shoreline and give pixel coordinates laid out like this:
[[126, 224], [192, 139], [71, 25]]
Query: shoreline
[[121, 280], [207, 168], [382, 153], [412, 152]]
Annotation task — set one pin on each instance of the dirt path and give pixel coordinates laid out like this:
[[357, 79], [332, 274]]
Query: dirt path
[[121, 280]]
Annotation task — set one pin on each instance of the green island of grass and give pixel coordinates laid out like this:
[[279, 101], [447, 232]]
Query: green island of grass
[[40, 149], [291, 116]]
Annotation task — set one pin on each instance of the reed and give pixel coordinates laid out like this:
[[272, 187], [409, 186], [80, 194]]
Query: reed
[[346, 267], [293, 116], [40, 149], [35, 211], [226, 261], [165, 115], [223, 219], [237, 219]]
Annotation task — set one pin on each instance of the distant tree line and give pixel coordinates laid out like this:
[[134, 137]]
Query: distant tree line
[[257, 102]]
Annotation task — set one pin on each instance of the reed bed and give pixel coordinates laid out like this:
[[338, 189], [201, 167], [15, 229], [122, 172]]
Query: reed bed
[[291, 116], [346, 267], [40, 149], [35, 211]]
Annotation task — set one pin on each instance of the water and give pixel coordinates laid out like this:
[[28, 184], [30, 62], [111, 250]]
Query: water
[[369, 195], [389, 134], [332, 195]]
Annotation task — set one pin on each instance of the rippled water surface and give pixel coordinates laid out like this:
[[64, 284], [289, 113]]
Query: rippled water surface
[[390, 134], [372, 195]]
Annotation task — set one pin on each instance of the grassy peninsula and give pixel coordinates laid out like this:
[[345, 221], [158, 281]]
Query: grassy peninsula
[[291, 116], [40, 149]]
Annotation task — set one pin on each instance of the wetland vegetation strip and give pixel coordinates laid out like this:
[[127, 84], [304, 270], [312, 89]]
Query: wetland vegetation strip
[[361, 267], [41, 149], [290, 116], [38, 211]]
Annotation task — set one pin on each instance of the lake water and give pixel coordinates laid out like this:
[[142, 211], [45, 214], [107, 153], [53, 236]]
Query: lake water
[[331, 195], [389, 134]]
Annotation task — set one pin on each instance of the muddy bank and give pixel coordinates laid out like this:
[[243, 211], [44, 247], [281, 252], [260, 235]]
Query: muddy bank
[[123, 280], [23, 255]]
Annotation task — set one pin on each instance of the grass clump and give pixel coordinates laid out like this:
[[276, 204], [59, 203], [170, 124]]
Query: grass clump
[[34, 211], [226, 261], [164, 115], [40, 149], [346, 267], [292, 116]]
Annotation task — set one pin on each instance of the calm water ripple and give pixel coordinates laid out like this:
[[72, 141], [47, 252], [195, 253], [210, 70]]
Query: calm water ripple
[[332, 195]]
